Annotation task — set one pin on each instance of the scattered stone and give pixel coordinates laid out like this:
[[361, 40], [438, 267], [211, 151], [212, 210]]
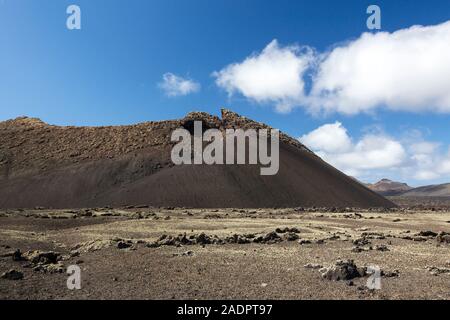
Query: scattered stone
[[381, 247], [361, 242], [47, 261], [17, 255], [74, 254], [313, 266], [342, 270], [91, 246], [359, 249], [427, 234], [202, 238], [437, 271], [85, 213], [271, 237], [390, 274], [333, 237], [50, 268], [361, 288], [239, 239], [287, 229], [290, 236], [12, 275], [42, 257], [123, 245], [443, 237], [137, 216], [373, 235], [184, 254], [304, 241]]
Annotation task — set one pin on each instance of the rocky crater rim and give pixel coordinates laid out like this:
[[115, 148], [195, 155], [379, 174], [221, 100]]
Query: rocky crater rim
[[228, 120]]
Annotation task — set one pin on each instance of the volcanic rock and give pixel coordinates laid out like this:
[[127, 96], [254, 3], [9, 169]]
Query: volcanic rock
[[12, 275], [44, 165], [437, 271], [342, 270], [443, 237]]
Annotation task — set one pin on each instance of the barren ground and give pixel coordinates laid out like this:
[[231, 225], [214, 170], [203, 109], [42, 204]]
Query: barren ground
[[255, 270]]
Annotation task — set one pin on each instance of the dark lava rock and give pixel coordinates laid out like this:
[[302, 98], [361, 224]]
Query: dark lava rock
[[343, 270], [203, 238], [358, 249], [443, 237], [427, 234], [123, 245], [287, 229], [12, 275], [271, 237], [17, 255], [313, 266], [361, 242], [390, 274], [381, 247], [290, 236], [239, 239], [437, 271], [184, 254], [42, 257], [373, 235]]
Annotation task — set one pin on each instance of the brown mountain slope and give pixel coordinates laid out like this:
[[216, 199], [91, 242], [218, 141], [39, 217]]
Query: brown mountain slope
[[388, 187], [62, 167], [439, 190]]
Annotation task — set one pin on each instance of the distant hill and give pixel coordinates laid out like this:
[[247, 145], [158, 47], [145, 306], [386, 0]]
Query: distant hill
[[388, 187], [440, 190]]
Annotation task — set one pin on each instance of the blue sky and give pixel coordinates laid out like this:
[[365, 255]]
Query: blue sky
[[109, 71]]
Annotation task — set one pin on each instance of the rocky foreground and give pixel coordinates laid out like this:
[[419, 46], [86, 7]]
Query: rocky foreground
[[177, 253]]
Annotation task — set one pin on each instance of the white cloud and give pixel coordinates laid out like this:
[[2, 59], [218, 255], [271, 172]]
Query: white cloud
[[444, 166], [405, 70], [371, 152], [377, 155], [424, 175], [272, 76], [424, 147], [330, 138], [174, 85]]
